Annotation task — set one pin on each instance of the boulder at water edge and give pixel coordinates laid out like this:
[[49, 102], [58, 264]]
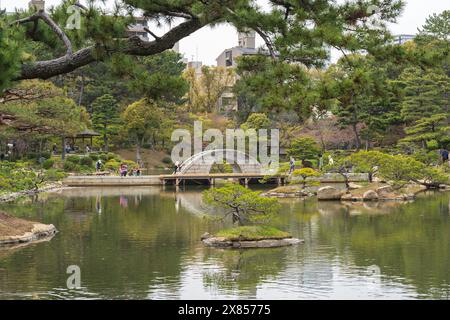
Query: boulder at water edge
[[329, 193], [370, 196]]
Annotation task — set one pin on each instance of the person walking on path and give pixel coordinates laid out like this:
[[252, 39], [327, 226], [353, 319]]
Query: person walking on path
[[98, 165], [330, 160], [291, 165], [444, 156], [320, 161]]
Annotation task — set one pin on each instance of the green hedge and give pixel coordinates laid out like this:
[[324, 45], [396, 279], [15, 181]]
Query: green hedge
[[48, 164]]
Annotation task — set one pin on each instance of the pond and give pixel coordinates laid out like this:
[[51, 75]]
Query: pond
[[143, 243]]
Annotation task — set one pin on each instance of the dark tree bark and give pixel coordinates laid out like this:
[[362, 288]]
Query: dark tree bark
[[132, 46]]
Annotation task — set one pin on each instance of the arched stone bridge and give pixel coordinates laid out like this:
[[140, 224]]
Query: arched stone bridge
[[201, 163]]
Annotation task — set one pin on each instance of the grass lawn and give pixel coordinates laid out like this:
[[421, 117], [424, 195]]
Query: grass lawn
[[251, 233]]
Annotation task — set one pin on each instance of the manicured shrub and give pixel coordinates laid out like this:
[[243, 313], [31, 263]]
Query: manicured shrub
[[73, 159], [430, 158], [94, 156], [112, 165], [303, 174], [32, 156], [86, 161], [167, 160], [432, 145], [45, 155], [129, 163], [48, 164], [69, 166], [111, 156], [103, 156]]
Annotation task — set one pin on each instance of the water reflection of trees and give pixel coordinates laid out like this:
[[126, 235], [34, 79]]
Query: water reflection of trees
[[143, 250], [121, 252], [241, 271], [409, 241]]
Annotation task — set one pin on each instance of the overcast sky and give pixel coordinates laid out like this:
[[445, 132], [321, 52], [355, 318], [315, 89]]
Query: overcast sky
[[207, 43]]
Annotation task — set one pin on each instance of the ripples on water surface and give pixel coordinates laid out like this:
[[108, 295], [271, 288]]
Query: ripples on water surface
[[143, 243]]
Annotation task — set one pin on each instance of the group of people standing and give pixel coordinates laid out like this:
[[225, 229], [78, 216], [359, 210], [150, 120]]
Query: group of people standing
[[123, 170]]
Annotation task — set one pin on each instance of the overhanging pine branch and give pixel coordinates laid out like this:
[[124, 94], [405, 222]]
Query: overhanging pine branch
[[267, 41], [151, 33], [133, 46], [41, 14]]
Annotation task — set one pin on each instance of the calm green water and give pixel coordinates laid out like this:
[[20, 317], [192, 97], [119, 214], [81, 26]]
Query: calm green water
[[143, 243]]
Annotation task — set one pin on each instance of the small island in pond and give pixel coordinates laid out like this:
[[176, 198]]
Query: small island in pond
[[14, 230], [250, 237], [249, 211]]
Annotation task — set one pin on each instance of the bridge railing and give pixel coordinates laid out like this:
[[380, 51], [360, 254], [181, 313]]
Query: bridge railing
[[188, 163]]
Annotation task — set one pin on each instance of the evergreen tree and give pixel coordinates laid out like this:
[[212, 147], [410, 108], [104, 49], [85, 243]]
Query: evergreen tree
[[297, 30], [104, 115], [34, 111], [257, 121], [267, 85], [304, 149], [437, 26], [142, 119], [430, 129], [367, 99], [425, 94], [9, 53]]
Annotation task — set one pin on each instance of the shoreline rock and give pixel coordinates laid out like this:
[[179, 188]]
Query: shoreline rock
[[377, 192], [15, 230], [329, 193], [39, 232], [373, 192], [219, 242]]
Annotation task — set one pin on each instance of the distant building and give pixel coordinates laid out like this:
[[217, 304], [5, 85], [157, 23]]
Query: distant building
[[138, 28], [176, 47], [197, 66], [403, 38], [37, 5], [228, 59], [246, 46]]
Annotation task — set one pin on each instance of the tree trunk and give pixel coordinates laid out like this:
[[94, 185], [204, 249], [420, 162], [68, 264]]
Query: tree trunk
[[138, 153], [63, 145], [80, 98], [139, 143], [357, 139], [132, 46], [237, 218], [105, 139]]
